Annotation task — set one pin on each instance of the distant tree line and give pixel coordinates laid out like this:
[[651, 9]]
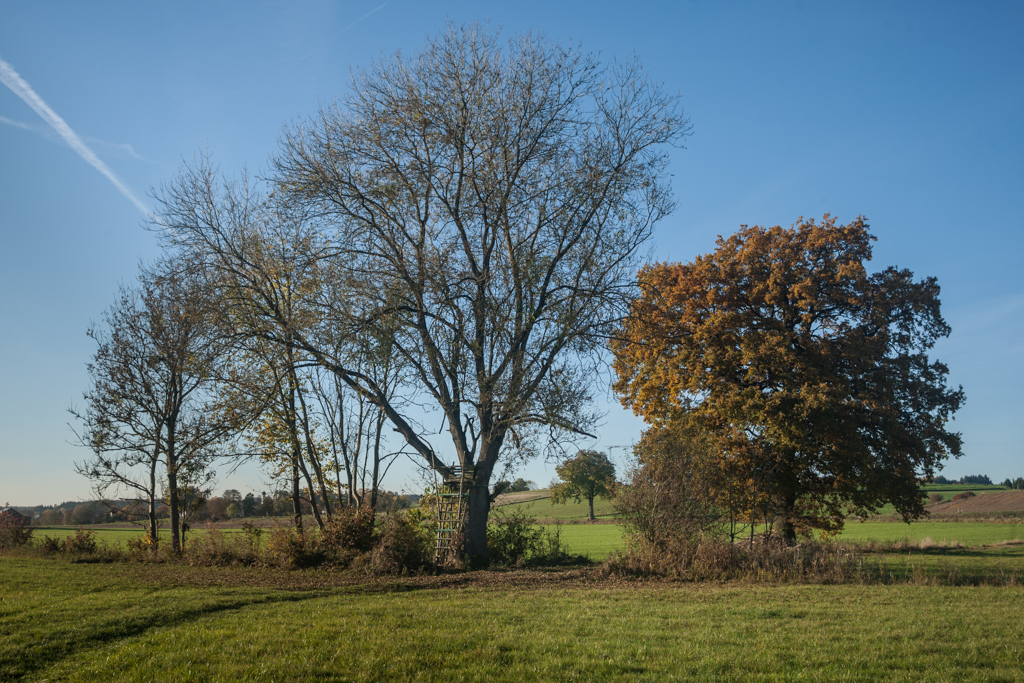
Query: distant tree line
[[229, 505], [970, 479]]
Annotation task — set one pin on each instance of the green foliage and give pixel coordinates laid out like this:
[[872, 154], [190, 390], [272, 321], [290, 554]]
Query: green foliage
[[518, 486], [513, 540]]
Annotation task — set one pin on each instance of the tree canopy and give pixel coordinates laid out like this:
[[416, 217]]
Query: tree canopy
[[811, 373]]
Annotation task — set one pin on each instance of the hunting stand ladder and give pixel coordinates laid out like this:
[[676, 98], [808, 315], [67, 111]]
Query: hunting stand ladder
[[452, 498]]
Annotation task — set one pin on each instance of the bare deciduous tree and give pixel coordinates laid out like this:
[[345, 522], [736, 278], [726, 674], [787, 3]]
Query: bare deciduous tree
[[149, 400], [485, 204]]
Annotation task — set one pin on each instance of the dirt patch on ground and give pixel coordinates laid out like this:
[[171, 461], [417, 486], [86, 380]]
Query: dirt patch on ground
[[998, 501]]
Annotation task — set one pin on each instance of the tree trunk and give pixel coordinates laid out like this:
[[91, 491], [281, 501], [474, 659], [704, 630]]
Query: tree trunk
[[296, 500], [312, 495], [172, 490], [375, 480], [476, 525], [153, 532], [788, 527], [590, 499]]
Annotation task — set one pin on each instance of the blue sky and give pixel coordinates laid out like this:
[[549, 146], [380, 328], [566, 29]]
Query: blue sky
[[909, 113]]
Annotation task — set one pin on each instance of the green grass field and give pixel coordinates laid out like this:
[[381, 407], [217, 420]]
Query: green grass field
[[86, 622], [596, 541], [570, 511], [966, 533]]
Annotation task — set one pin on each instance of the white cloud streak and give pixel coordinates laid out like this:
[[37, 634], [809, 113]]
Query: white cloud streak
[[17, 124], [19, 87]]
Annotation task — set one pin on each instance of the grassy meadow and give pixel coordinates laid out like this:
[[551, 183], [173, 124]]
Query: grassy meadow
[[964, 533], [943, 606], [85, 622]]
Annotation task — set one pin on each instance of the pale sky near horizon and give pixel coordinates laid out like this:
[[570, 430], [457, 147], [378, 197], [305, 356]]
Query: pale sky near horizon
[[908, 113]]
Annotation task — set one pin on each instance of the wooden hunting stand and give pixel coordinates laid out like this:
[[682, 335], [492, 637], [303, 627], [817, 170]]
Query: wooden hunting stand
[[452, 497]]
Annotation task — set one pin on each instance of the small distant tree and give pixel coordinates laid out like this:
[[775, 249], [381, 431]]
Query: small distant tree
[[517, 486], [49, 518], [217, 508], [587, 475], [520, 485], [234, 510], [266, 506], [249, 505]]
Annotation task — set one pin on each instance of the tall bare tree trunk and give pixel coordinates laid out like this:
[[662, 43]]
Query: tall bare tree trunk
[[172, 490], [296, 500], [375, 481], [476, 522], [153, 532]]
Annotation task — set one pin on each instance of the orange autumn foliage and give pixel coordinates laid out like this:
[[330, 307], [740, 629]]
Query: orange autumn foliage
[[811, 373]]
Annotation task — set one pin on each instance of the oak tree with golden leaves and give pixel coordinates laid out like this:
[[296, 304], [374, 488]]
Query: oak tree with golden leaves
[[812, 375]]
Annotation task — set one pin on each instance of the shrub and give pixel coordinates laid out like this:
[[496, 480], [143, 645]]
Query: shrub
[[936, 498], [550, 551], [349, 529], [288, 548], [964, 496], [253, 535], [214, 548], [141, 546], [670, 503], [512, 538], [82, 543], [15, 530], [402, 546]]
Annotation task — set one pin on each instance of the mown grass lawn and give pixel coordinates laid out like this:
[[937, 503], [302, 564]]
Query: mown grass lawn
[[596, 541], [64, 621], [966, 533]]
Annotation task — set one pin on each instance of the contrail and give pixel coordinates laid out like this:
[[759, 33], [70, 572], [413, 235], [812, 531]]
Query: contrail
[[19, 87], [16, 124], [362, 18]]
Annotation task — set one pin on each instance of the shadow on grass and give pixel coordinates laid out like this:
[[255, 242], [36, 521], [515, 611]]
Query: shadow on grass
[[59, 644]]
